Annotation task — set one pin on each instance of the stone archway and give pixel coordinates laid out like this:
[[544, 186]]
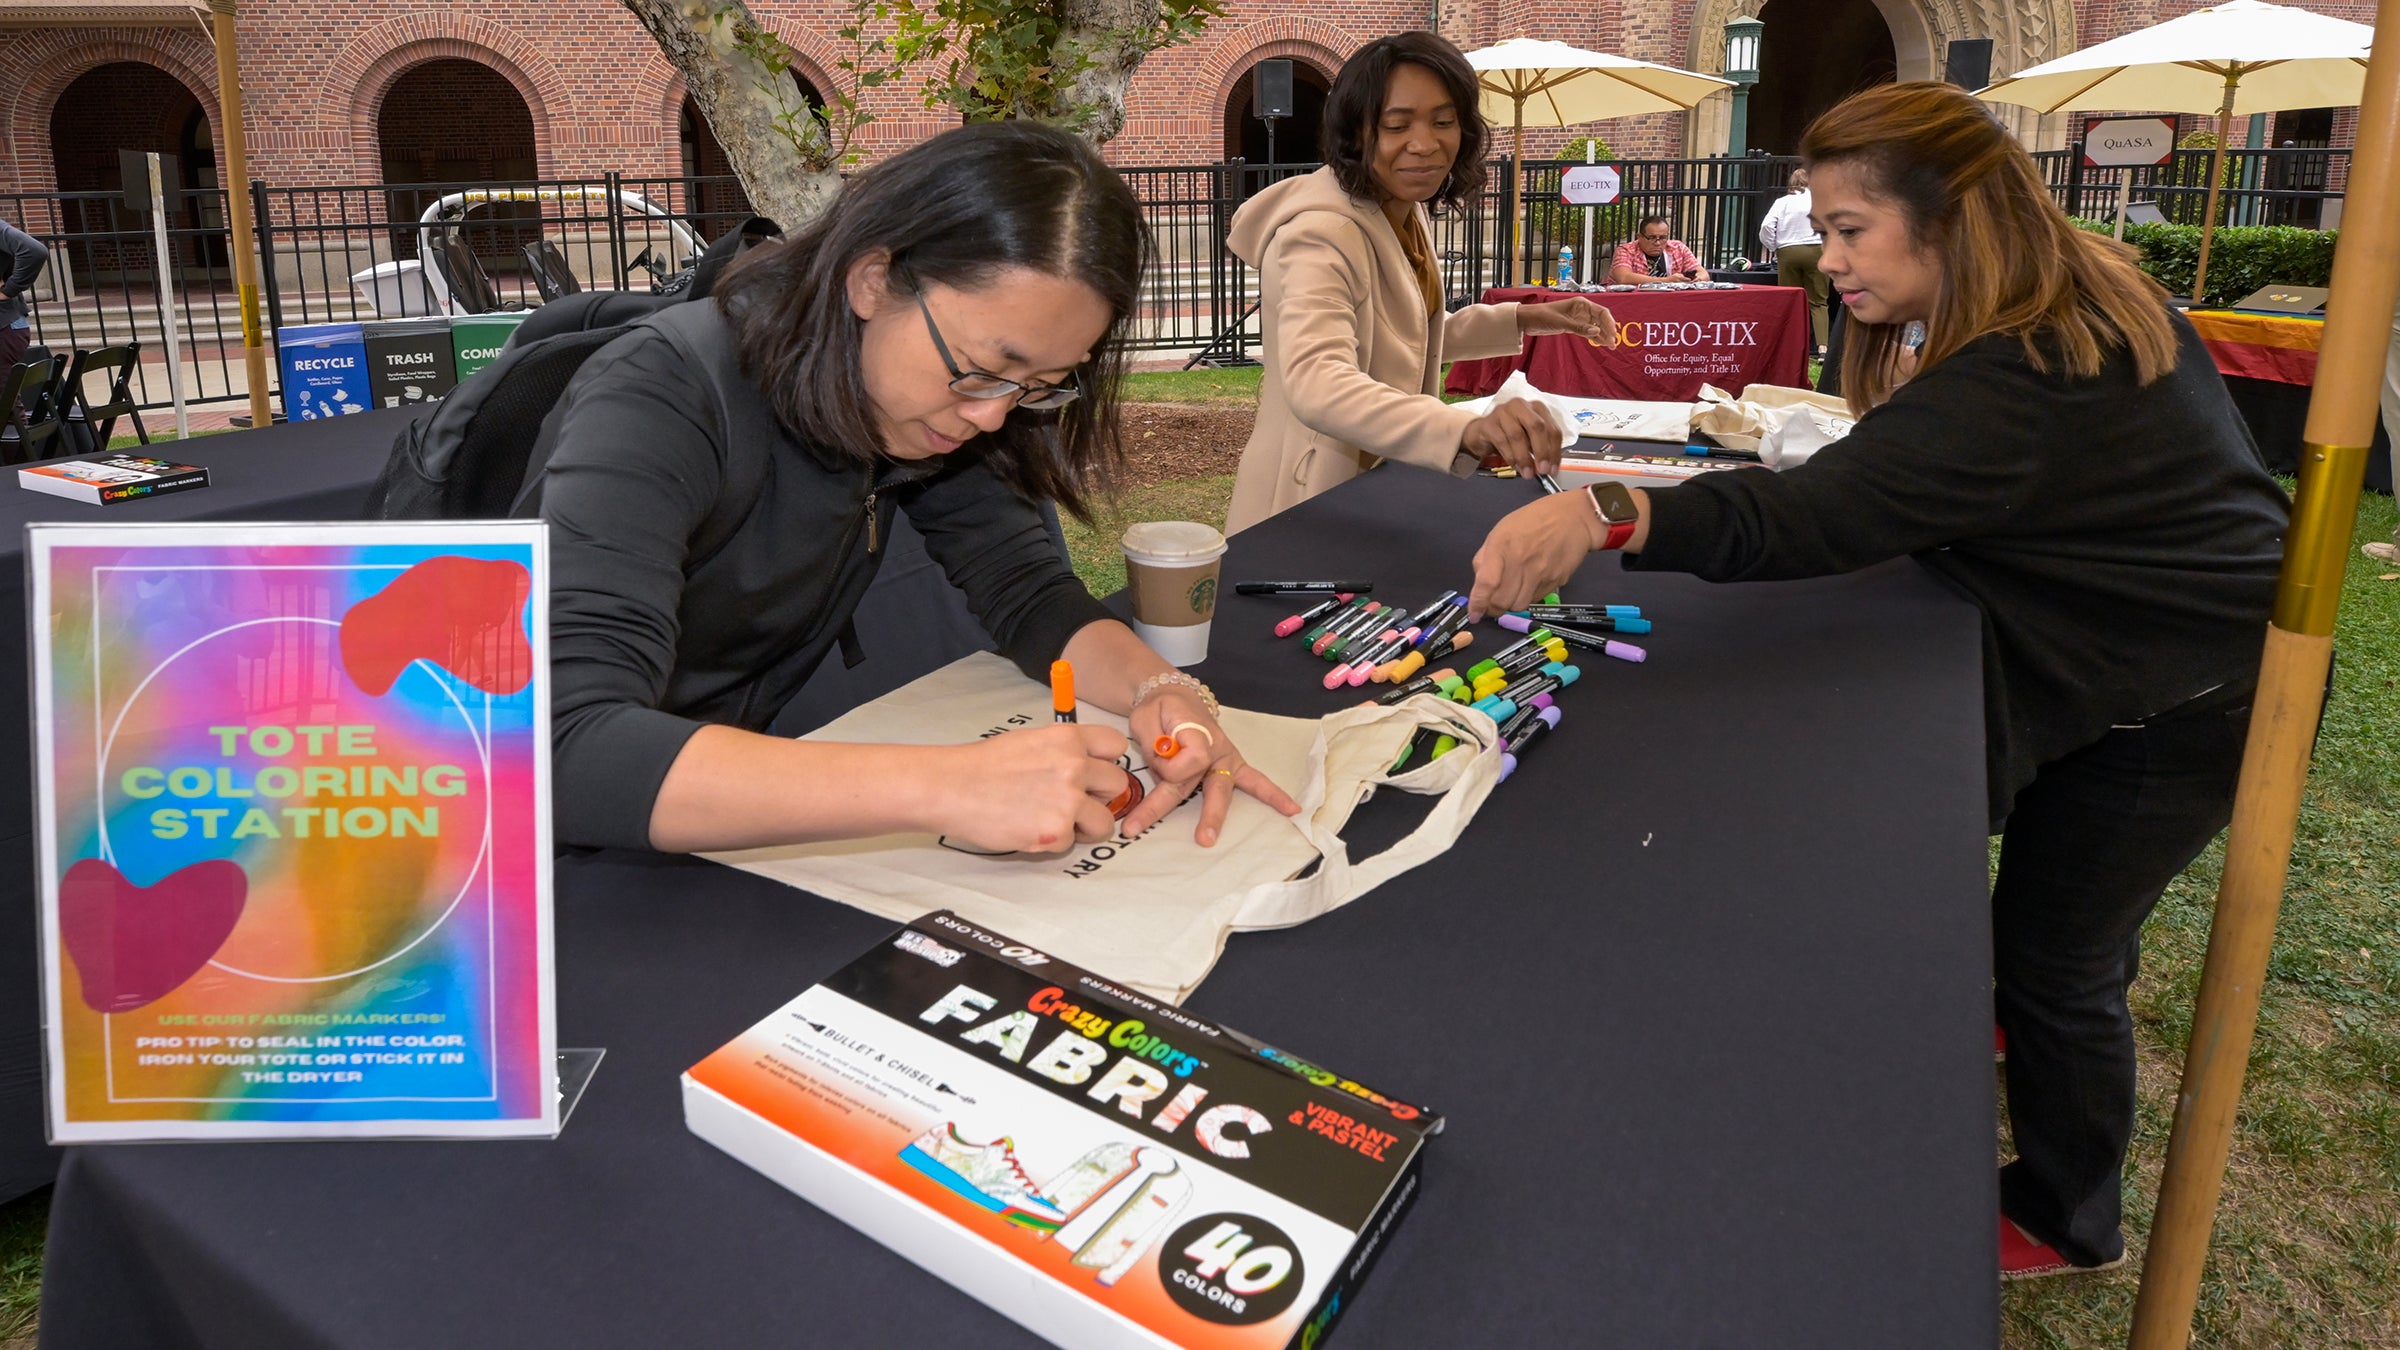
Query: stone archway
[[2023, 33]]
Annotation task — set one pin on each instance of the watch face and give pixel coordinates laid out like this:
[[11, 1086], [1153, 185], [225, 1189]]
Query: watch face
[[1616, 504]]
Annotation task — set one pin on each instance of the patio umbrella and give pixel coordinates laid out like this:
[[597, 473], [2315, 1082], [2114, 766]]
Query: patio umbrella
[[1529, 82], [2243, 53]]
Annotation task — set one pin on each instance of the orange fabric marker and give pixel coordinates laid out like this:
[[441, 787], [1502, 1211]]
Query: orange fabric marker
[[1165, 747], [1062, 692]]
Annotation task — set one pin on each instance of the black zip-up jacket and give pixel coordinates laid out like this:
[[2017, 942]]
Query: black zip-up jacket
[[26, 256], [2121, 541], [703, 560]]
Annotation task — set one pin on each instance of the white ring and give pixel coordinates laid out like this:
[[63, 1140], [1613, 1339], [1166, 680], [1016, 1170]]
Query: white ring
[[1175, 733]]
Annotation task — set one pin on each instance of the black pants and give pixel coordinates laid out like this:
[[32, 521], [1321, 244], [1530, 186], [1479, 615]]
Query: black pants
[[13, 342], [2088, 848]]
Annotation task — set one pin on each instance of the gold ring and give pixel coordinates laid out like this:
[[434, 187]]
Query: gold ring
[[1227, 772]]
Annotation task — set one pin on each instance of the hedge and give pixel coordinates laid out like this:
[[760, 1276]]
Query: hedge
[[2241, 259]]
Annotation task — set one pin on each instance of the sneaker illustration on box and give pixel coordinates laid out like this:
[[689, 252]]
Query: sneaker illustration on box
[[986, 1173]]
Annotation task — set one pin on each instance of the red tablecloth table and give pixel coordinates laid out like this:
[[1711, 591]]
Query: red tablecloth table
[[1674, 342]]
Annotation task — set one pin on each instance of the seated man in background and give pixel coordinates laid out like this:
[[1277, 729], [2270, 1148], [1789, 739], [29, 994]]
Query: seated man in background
[[1653, 255]]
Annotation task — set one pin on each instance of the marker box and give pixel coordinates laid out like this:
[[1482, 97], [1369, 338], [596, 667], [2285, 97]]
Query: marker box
[[1102, 1168]]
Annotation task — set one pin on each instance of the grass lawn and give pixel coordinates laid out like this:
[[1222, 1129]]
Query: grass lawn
[[1234, 386], [2307, 1244]]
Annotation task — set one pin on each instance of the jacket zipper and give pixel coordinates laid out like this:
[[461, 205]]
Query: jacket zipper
[[874, 541]]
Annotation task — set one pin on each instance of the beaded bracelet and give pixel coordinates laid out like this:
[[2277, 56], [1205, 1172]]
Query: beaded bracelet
[[1163, 678]]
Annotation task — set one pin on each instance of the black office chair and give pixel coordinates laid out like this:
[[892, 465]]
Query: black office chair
[[551, 275], [90, 425], [29, 423]]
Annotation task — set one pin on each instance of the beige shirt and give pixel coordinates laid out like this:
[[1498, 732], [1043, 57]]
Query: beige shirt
[[1355, 341]]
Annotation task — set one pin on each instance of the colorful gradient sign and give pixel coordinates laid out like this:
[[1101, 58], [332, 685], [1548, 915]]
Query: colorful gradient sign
[[295, 844]]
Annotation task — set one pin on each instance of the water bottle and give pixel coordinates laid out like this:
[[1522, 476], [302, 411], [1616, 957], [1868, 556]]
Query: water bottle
[[1566, 267]]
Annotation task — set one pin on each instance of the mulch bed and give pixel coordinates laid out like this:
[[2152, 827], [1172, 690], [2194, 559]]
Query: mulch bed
[[1169, 441]]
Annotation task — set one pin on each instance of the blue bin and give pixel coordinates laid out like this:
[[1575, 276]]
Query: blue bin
[[324, 370]]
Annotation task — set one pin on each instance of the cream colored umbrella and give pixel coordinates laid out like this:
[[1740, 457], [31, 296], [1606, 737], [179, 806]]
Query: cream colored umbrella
[[1532, 83], [2240, 55]]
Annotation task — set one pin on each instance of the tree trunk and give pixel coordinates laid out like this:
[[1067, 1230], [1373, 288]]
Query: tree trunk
[[1109, 34], [777, 148]]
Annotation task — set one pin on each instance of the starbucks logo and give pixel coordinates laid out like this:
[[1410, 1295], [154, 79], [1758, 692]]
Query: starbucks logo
[[1203, 595]]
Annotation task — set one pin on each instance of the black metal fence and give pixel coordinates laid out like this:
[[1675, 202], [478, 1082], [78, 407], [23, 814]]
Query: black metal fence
[[2260, 187], [344, 254]]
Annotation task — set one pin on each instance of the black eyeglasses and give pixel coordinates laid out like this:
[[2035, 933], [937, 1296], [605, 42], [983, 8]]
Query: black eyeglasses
[[984, 384]]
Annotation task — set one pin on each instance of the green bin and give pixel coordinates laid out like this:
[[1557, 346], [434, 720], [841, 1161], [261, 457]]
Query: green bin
[[478, 338]]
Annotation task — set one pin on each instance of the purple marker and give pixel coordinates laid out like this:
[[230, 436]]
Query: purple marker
[[1525, 736]]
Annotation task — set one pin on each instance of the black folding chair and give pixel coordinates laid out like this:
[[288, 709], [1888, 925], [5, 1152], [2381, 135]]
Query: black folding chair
[[470, 286], [98, 421], [29, 423], [551, 275]]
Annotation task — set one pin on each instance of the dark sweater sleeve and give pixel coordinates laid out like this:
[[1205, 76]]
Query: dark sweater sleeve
[[996, 547], [26, 256], [1904, 480], [634, 476]]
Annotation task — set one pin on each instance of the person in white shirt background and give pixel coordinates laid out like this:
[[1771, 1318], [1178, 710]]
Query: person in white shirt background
[[1795, 245]]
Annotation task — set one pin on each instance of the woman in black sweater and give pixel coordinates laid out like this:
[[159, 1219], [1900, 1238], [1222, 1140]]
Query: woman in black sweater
[[2065, 455], [943, 342]]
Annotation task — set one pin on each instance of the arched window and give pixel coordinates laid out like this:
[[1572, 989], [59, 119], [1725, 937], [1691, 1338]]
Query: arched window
[[125, 105]]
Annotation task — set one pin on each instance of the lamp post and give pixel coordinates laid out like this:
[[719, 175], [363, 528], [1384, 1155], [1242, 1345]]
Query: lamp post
[[1741, 67]]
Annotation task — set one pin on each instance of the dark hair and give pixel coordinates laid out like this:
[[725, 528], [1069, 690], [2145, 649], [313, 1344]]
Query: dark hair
[[1654, 219], [956, 210], [1355, 107], [2011, 261]]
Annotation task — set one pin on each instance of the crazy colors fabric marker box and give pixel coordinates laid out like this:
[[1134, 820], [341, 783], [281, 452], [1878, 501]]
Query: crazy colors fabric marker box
[[993, 1115]]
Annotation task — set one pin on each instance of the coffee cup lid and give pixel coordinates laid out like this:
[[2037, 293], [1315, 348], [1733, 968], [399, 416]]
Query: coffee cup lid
[[1172, 542]]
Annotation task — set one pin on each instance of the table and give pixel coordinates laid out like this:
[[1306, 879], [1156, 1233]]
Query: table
[[912, 621], [1674, 342], [1704, 992], [2269, 362]]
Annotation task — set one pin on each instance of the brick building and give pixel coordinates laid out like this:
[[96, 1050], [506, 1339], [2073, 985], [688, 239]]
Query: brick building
[[360, 91]]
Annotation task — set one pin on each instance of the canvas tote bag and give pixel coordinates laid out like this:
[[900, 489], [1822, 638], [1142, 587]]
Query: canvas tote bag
[[1153, 912]]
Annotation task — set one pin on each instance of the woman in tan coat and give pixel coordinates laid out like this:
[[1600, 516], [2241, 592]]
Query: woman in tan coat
[[1354, 326]]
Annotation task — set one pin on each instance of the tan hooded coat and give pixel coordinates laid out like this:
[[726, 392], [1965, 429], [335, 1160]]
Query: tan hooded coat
[[1354, 369]]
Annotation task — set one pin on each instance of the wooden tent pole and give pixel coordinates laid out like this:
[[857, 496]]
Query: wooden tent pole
[[2216, 179], [236, 180], [2283, 722]]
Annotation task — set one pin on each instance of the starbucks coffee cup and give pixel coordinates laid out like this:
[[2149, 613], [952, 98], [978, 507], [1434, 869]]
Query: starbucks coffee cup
[[1171, 568]]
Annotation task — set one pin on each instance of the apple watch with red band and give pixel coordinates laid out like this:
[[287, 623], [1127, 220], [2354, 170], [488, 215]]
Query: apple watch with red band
[[1617, 512]]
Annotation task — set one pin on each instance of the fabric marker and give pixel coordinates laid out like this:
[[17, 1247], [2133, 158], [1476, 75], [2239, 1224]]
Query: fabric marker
[[1433, 611], [1370, 620], [1722, 452], [1301, 587], [1518, 623], [1599, 642], [1062, 709], [1519, 661], [1342, 625], [1299, 621], [1348, 607], [1501, 707], [1443, 745], [1166, 747], [1445, 624], [1532, 709], [1548, 484], [1531, 732], [1577, 613], [1418, 745], [1421, 684], [1371, 665], [1062, 692]]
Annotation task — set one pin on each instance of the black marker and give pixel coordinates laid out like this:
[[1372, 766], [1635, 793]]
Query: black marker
[[1301, 587]]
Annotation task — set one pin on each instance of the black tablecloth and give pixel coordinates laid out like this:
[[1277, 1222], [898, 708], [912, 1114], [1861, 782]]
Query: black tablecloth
[[1704, 992], [2277, 414], [911, 621]]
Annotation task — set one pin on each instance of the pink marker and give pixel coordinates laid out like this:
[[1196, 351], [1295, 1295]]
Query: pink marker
[[1299, 621]]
